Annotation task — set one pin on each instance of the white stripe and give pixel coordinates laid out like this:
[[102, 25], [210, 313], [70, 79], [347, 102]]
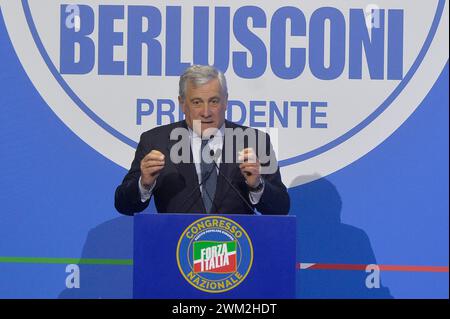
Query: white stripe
[[306, 265], [229, 254]]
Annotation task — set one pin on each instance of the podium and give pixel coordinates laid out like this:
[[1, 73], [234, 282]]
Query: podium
[[197, 256]]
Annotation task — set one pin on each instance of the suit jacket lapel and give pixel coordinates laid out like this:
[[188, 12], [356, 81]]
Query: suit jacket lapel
[[225, 169], [189, 175]]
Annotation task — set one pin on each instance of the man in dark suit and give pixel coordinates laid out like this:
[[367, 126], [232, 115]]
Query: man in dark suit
[[196, 165]]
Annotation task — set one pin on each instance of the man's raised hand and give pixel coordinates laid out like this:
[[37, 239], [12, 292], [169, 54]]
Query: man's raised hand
[[151, 166]]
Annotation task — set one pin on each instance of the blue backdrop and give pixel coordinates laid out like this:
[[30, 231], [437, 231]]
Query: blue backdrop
[[56, 194]]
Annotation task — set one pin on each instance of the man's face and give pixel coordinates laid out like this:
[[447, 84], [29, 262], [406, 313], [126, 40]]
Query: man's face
[[205, 103]]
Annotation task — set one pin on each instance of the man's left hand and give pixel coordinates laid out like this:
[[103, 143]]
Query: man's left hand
[[250, 167]]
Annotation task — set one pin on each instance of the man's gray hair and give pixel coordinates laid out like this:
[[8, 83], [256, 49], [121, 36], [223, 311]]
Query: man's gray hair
[[201, 74]]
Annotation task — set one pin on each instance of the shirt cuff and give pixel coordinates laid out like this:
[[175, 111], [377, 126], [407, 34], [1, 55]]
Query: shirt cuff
[[255, 197], [145, 193]]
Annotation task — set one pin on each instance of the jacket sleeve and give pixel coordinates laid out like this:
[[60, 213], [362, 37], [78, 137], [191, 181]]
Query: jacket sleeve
[[127, 199], [275, 198]]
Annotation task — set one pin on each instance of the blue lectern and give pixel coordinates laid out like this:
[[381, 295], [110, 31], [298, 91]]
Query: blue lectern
[[214, 256]]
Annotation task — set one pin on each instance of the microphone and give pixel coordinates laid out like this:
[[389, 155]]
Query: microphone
[[195, 189], [188, 197], [215, 156]]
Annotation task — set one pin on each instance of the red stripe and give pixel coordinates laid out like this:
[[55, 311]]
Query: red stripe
[[225, 269], [381, 267]]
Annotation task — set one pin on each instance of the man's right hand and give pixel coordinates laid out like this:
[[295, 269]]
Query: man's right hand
[[151, 166]]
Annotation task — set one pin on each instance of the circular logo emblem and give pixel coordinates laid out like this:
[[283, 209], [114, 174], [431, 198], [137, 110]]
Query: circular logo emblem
[[340, 78], [214, 254]]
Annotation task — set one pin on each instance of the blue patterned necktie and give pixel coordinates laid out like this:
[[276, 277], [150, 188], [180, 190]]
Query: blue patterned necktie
[[209, 176]]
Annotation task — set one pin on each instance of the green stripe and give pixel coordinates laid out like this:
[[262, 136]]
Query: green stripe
[[79, 261], [199, 245]]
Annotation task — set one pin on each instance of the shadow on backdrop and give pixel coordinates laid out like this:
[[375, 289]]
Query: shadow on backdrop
[[110, 240], [322, 238]]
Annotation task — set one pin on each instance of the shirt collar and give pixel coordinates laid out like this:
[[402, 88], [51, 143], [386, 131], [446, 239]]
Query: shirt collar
[[219, 133]]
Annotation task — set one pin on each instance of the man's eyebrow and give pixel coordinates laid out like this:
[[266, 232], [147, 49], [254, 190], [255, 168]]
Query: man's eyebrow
[[214, 97], [196, 98]]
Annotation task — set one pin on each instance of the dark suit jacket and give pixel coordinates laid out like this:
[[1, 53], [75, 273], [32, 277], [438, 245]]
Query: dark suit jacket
[[176, 182]]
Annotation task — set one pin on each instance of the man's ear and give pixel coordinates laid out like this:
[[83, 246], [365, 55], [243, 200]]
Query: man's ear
[[181, 102], [226, 101]]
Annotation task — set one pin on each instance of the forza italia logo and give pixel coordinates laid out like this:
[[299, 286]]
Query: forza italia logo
[[214, 254], [215, 257]]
